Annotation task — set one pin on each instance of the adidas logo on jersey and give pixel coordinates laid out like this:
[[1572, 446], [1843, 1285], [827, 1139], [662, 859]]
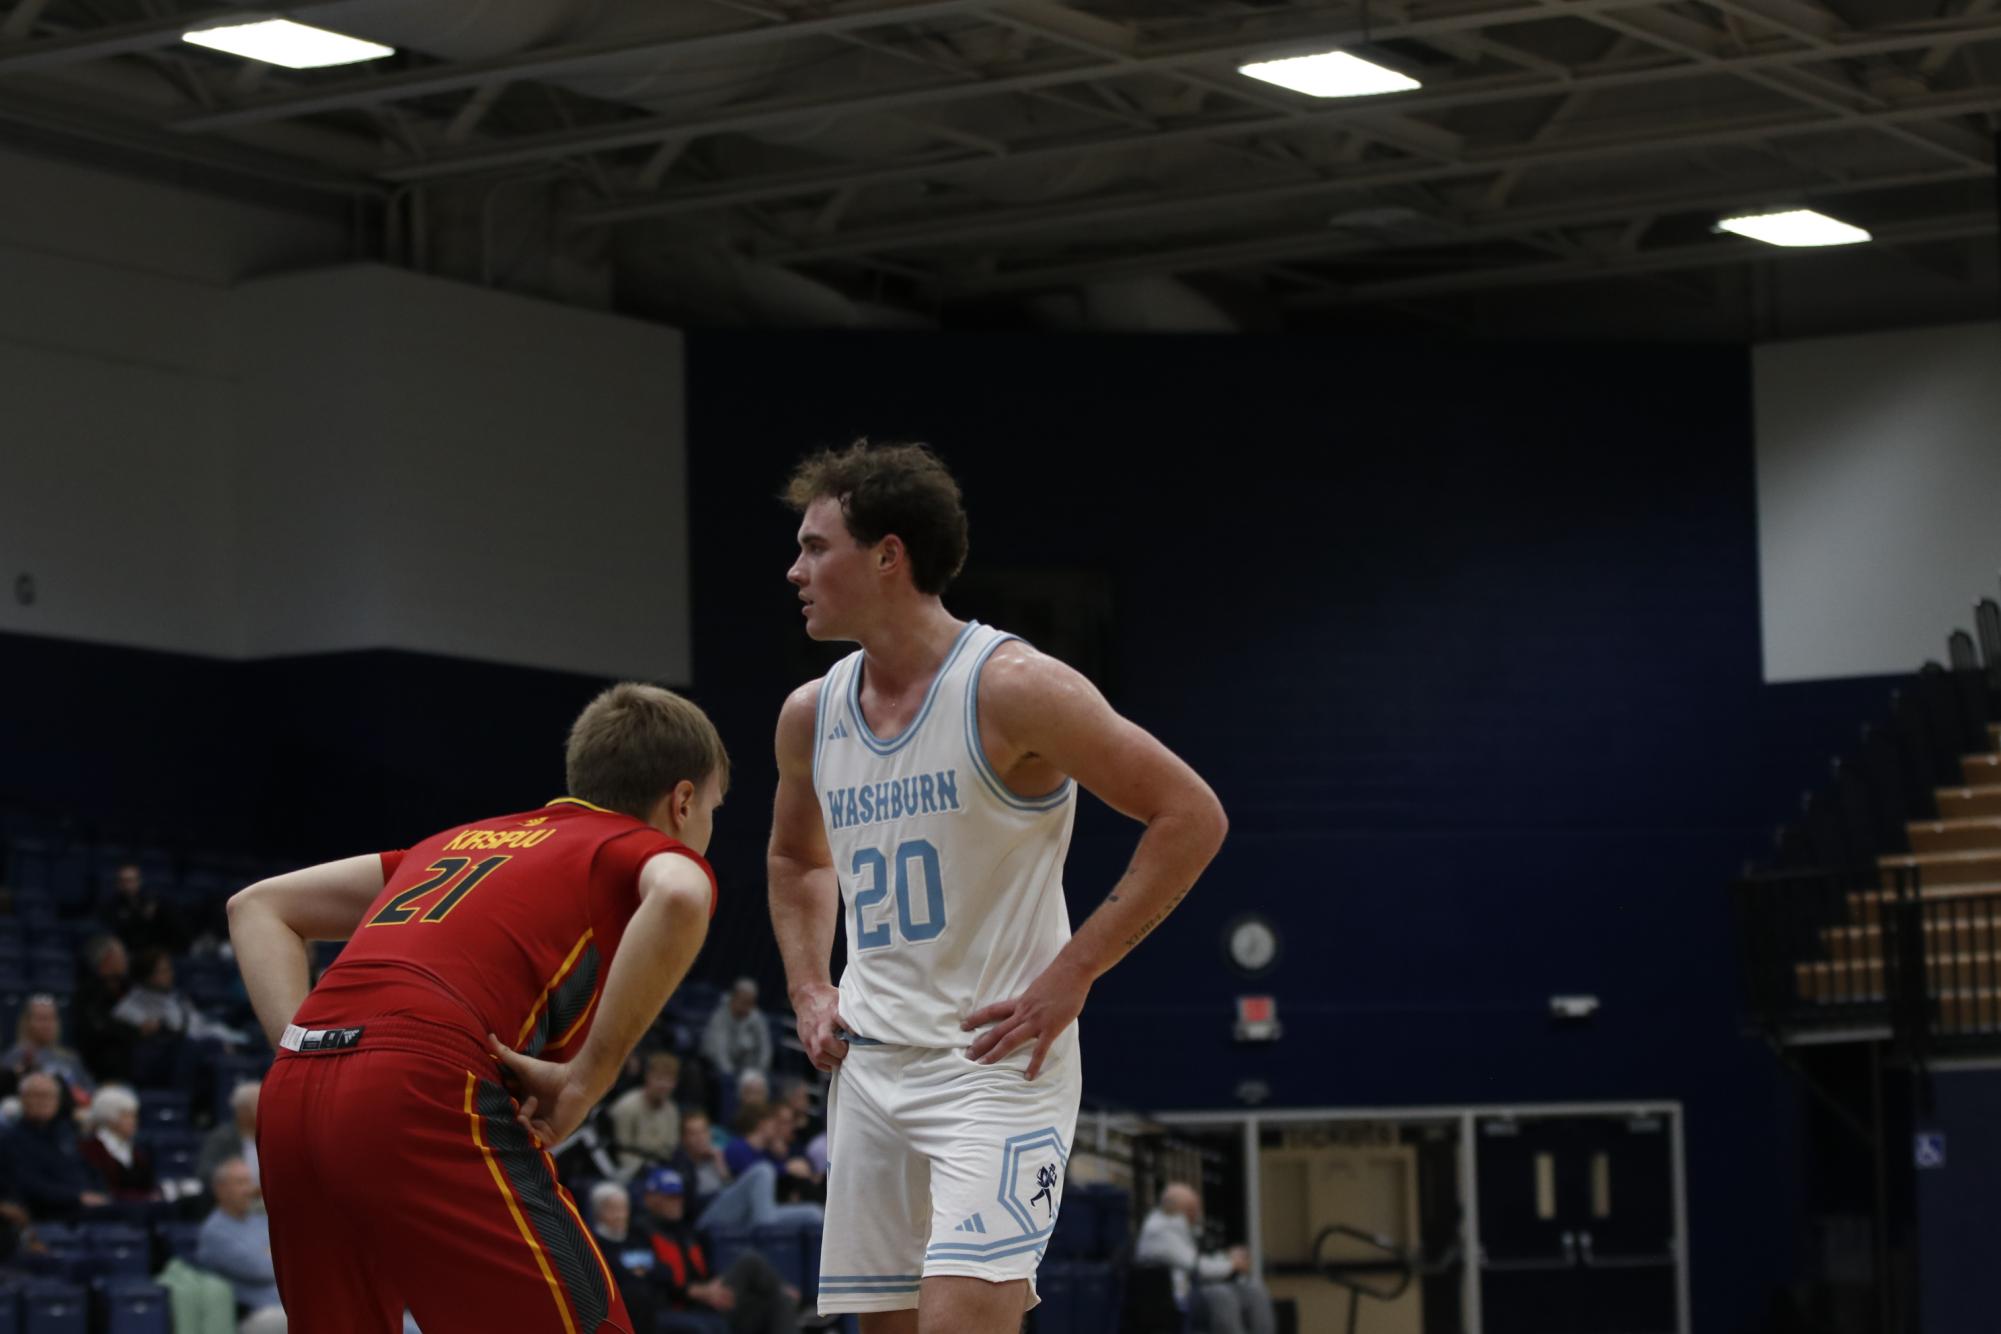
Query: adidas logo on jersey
[[973, 1224], [840, 732]]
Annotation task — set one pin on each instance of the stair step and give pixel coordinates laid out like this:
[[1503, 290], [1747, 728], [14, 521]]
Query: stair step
[[1969, 802], [1958, 1011], [1846, 981], [1949, 868], [1864, 940], [1975, 1010], [1974, 834], [1981, 770], [1982, 901]]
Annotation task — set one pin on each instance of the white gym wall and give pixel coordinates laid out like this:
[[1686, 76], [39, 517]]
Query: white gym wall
[[1879, 496]]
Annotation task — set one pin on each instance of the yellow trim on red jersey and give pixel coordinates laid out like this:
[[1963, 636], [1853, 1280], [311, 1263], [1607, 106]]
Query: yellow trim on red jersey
[[579, 801], [527, 1234]]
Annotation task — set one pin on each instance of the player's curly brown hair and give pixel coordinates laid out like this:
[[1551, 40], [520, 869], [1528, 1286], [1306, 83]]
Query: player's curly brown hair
[[634, 744], [903, 489]]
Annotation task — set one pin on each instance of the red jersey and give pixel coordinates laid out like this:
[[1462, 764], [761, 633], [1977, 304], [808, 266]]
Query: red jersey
[[504, 926]]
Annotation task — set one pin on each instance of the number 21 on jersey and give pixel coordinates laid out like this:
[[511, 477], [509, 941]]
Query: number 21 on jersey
[[911, 874]]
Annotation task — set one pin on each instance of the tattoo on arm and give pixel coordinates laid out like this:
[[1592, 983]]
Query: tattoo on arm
[[1159, 917]]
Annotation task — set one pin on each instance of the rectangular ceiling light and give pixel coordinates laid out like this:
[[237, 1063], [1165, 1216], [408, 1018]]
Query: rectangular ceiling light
[[293, 45], [1330, 74], [1793, 227]]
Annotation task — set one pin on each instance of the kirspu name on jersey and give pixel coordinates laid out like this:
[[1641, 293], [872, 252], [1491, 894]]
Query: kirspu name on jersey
[[873, 803]]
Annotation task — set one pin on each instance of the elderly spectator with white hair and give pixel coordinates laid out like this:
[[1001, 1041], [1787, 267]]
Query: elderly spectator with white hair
[[43, 1160], [111, 1132], [234, 1138], [235, 1242], [38, 1036], [1231, 1299], [628, 1250], [738, 1038]]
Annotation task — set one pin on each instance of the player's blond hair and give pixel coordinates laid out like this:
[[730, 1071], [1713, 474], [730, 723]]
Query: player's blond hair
[[634, 744]]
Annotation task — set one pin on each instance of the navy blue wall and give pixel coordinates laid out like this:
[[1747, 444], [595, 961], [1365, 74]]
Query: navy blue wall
[[1466, 639]]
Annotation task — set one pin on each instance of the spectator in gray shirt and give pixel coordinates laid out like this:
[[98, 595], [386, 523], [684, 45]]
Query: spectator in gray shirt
[[234, 1138], [1234, 1301], [737, 1038], [235, 1242]]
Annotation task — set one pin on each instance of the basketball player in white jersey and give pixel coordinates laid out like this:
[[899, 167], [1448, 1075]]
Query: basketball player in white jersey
[[927, 789]]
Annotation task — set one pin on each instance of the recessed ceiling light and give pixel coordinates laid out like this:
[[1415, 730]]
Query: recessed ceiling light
[[1793, 227], [1330, 74], [293, 45]]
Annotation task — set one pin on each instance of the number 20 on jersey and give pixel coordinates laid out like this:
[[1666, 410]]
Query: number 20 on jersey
[[912, 874]]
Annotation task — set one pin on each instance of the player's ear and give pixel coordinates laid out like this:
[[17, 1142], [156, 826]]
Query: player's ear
[[888, 552]]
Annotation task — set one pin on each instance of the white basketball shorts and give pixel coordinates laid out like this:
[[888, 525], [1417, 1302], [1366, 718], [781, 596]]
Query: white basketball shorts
[[939, 1165]]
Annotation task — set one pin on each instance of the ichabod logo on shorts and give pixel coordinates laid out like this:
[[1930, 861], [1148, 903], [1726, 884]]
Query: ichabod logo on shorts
[[1046, 1177]]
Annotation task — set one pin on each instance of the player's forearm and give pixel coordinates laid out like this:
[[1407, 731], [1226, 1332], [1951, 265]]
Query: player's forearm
[[658, 948], [804, 909], [1172, 854], [274, 963]]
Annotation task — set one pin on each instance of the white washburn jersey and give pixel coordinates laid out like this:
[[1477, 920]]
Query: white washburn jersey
[[951, 884]]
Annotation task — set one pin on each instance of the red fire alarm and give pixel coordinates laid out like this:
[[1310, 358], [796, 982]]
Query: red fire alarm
[[1257, 1019]]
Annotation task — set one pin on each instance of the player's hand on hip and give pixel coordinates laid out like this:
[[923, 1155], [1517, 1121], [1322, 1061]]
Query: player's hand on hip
[[819, 1014], [1039, 1015], [553, 1102]]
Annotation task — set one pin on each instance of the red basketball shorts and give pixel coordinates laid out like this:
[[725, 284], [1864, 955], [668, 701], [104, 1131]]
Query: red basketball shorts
[[396, 1175]]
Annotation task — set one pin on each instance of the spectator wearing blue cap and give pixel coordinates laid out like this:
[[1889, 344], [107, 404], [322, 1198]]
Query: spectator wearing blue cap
[[751, 1298]]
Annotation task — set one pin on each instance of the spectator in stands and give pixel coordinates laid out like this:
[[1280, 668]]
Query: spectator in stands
[[172, 1035], [38, 1046], [105, 1043], [645, 1123], [755, 1170], [765, 1135], [751, 1298], [750, 1093], [111, 1129], [793, 1092], [629, 1252], [43, 1159], [1218, 1285], [699, 1162], [738, 1038], [137, 916], [234, 1138], [235, 1242]]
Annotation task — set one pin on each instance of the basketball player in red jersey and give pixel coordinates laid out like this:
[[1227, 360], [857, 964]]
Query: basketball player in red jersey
[[397, 1168]]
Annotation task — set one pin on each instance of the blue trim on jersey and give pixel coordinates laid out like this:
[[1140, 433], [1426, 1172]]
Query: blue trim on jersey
[[869, 1278], [1000, 790], [903, 738], [820, 728]]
